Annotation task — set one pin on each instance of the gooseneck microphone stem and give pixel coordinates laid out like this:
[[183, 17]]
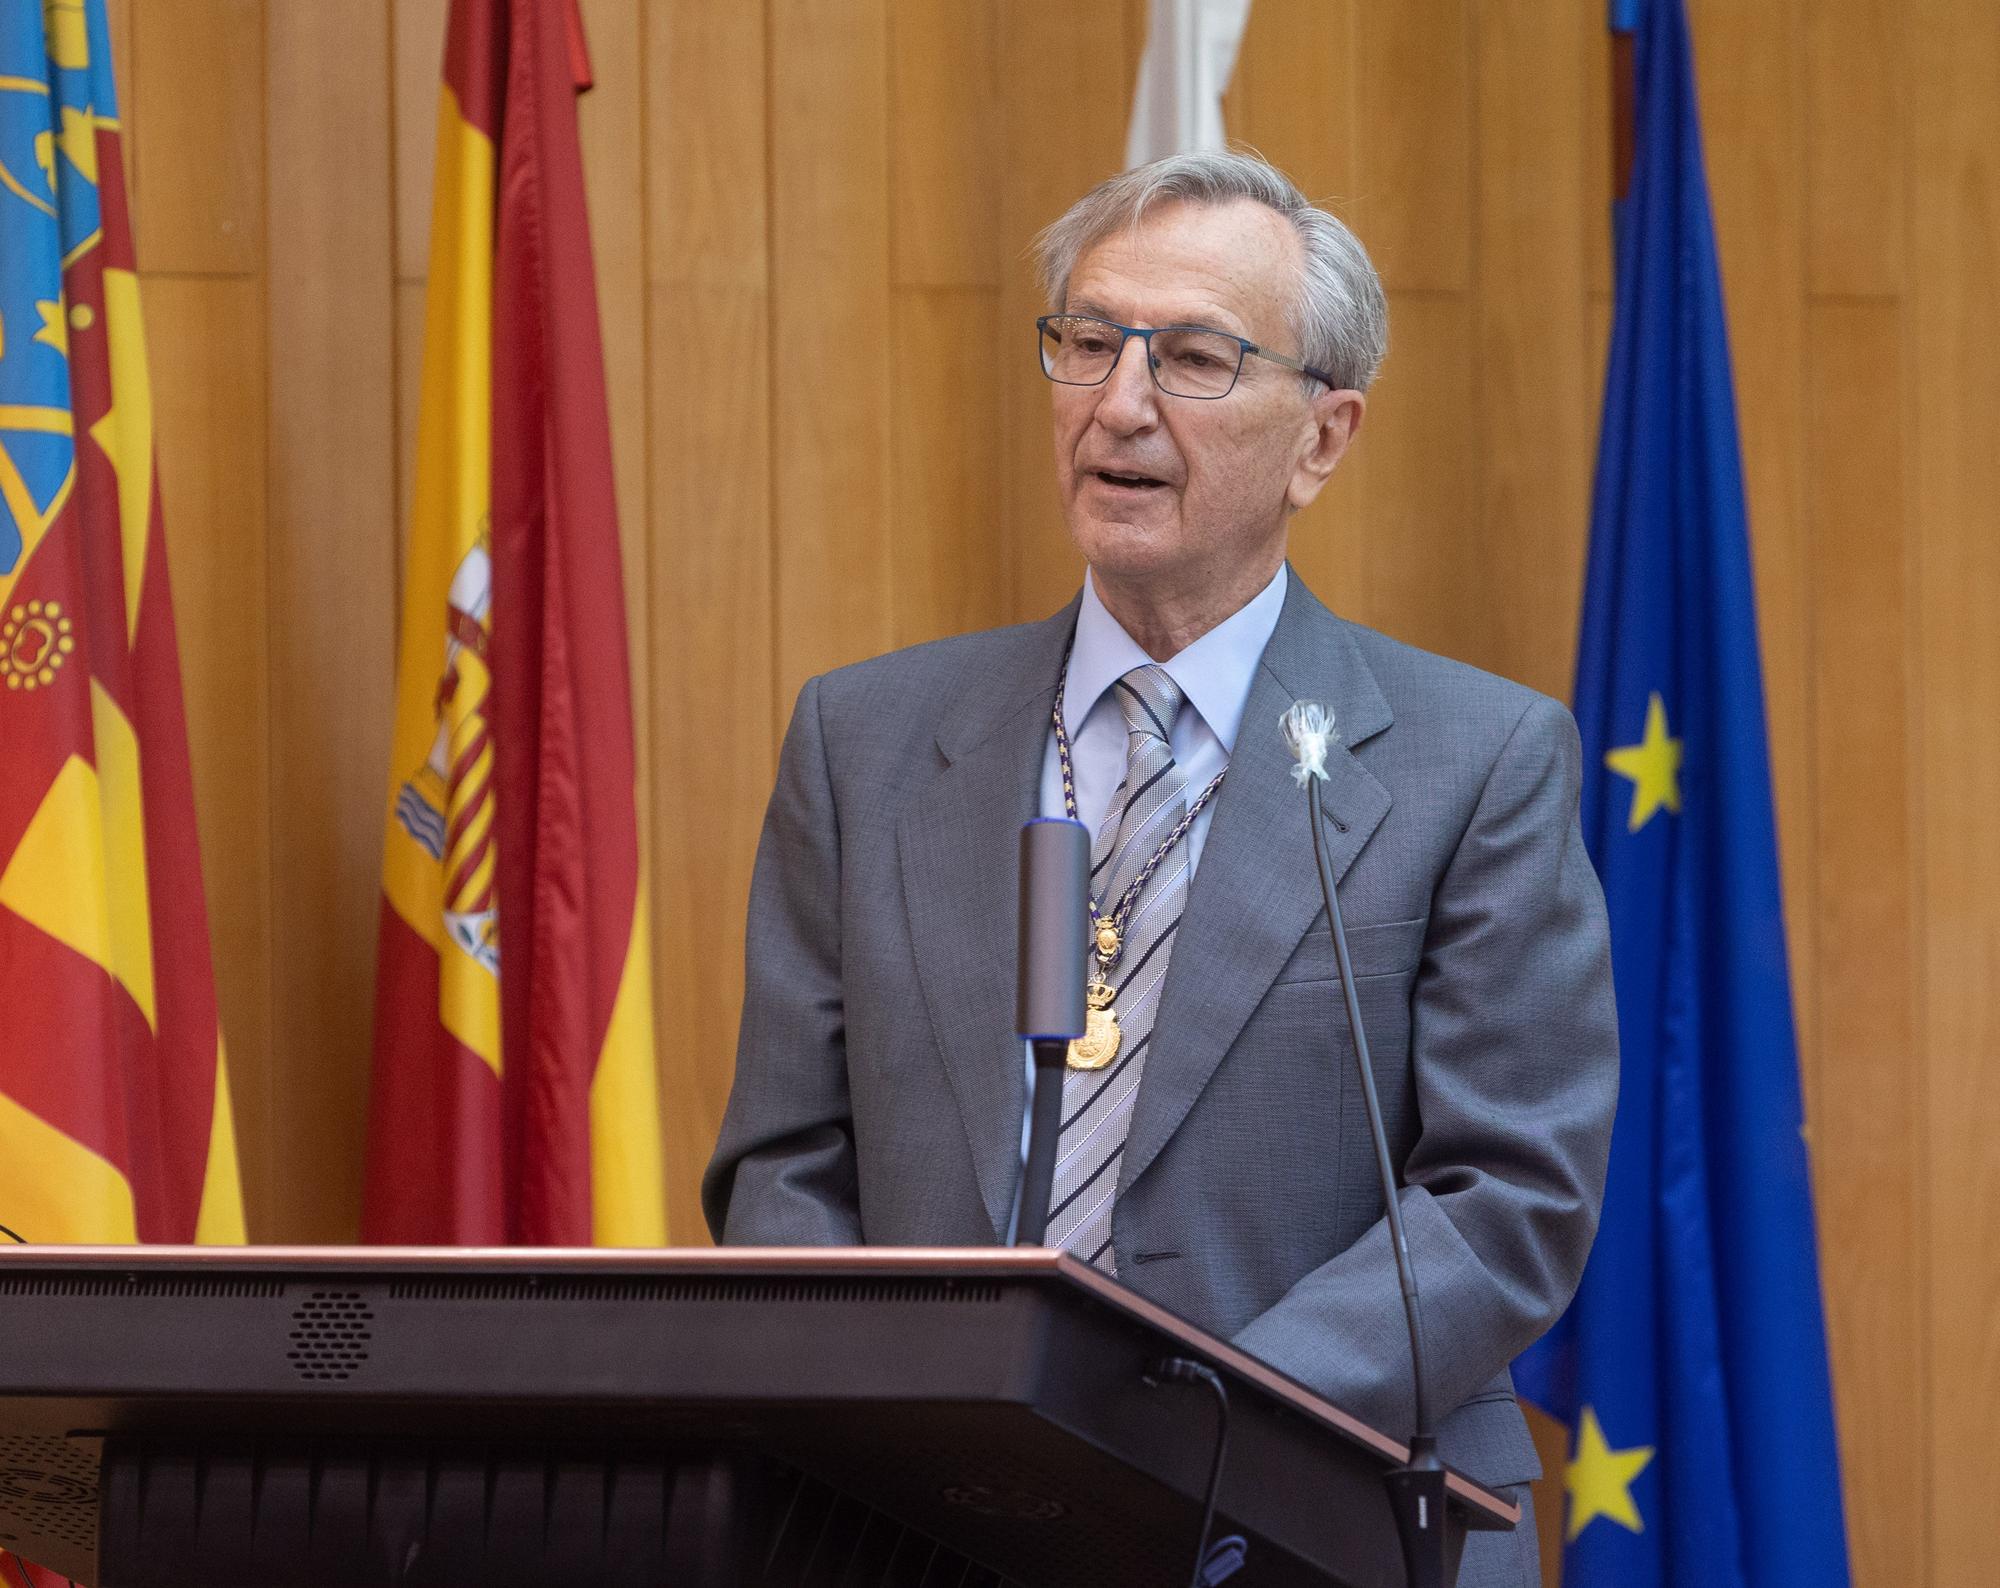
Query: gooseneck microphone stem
[[1044, 1130], [1417, 1493], [1424, 1434]]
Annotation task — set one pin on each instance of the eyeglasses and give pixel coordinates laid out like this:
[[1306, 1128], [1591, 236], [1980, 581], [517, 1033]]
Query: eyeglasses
[[1186, 360]]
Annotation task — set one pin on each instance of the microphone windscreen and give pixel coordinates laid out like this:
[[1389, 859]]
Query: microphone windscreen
[[1055, 901]]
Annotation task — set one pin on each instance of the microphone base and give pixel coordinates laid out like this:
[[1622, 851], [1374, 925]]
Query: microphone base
[[1417, 1499]]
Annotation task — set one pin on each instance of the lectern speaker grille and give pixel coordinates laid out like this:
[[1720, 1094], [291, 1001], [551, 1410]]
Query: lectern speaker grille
[[331, 1333]]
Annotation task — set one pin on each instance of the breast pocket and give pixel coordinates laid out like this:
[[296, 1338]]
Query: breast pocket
[[1382, 948]]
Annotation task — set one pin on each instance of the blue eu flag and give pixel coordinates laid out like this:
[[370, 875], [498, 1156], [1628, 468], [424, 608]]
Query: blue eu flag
[[1691, 1369]]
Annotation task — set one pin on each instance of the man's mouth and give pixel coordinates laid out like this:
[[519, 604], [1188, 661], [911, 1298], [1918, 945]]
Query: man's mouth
[[1131, 482]]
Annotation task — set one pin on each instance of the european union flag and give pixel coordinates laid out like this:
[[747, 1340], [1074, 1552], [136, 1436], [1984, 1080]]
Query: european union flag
[[1691, 1368]]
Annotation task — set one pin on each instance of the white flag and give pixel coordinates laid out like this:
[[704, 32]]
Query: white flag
[[1190, 52]]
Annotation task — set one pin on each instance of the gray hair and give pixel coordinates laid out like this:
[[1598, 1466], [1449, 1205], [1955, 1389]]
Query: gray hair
[[1340, 315]]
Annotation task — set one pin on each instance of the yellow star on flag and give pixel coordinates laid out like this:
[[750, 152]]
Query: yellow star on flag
[[1653, 765], [1600, 1479]]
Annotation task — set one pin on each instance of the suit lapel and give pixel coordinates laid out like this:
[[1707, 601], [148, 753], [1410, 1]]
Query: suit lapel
[[960, 850], [1256, 890]]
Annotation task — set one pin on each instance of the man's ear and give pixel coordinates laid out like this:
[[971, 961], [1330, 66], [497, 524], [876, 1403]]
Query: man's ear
[[1335, 417]]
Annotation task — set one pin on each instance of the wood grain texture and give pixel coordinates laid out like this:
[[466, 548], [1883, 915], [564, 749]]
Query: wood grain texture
[[1866, 1130], [1955, 250], [1413, 154], [830, 335], [331, 522], [417, 67], [944, 117], [710, 647], [1857, 152], [945, 519], [1536, 416], [206, 211]]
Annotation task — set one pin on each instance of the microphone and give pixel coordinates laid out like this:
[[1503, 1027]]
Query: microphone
[[1048, 1003], [1416, 1490]]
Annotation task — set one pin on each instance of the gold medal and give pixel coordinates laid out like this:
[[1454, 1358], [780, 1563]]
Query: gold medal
[[1098, 1045], [1107, 940]]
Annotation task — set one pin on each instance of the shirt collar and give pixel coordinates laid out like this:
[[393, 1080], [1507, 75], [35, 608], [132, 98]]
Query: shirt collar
[[1214, 673]]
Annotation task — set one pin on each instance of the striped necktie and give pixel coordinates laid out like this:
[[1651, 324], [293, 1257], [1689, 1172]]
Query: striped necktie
[[1097, 1104]]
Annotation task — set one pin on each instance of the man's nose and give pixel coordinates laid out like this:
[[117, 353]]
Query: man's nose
[[1130, 400]]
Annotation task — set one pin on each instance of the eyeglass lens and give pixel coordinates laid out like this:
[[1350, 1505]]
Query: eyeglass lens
[[1080, 351]]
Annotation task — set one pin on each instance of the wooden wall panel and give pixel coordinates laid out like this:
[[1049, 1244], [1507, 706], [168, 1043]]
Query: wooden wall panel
[[711, 650], [1413, 149], [1867, 1132], [1536, 416], [946, 536], [1857, 152], [948, 345], [206, 216], [780, 184], [831, 335], [1955, 250], [331, 526], [1425, 579]]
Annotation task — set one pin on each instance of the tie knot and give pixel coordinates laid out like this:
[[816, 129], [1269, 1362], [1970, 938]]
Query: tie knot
[[1150, 700]]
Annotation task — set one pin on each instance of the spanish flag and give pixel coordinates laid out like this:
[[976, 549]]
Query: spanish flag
[[514, 1094], [114, 1095]]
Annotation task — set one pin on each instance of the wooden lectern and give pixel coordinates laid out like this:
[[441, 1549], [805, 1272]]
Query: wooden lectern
[[269, 1417]]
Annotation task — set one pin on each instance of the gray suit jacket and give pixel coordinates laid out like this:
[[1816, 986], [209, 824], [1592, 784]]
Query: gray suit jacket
[[879, 1091]]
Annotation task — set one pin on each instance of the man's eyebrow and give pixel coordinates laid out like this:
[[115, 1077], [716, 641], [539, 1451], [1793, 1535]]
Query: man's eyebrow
[[1097, 311]]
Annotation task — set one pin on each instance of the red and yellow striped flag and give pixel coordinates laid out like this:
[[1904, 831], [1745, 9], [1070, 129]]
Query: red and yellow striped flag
[[115, 1121], [514, 1091]]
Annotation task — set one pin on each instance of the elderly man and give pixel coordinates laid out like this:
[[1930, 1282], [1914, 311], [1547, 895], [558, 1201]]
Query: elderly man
[[1212, 341]]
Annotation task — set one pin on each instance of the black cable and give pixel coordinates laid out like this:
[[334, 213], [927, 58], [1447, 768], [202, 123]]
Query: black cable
[[1180, 1370], [12, 1236]]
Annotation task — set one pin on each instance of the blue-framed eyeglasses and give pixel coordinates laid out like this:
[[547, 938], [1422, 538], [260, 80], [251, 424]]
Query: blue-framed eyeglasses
[[1186, 360]]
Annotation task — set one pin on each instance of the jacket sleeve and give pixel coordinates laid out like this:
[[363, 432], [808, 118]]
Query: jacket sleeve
[[1514, 1054], [783, 1172]]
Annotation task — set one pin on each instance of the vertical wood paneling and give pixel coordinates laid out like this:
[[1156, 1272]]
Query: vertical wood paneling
[[711, 596], [330, 617], [1867, 1134], [1428, 582], [1857, 105], [417, 64], [1413, 156], [1955, 247], [208, 359], [205, 216], [947, 344], [946, 525], [1535, 415], [945, 148], [830, 328]]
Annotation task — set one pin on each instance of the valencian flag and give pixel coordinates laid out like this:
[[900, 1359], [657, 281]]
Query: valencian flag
[[114, 1096], [514, 1096], [1691, 1368]]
